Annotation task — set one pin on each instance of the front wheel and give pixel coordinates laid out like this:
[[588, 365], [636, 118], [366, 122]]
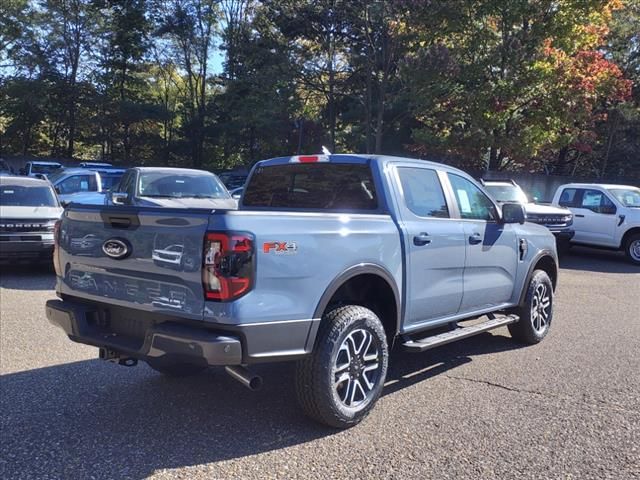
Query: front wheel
[[632, 249], [340, 382], [537, 311]]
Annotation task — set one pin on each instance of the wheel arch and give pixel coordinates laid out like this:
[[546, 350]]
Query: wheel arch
[[545, 261], [627, 235], [371, 286]]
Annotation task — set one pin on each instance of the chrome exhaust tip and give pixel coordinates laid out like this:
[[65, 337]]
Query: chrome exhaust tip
[[245, 377]]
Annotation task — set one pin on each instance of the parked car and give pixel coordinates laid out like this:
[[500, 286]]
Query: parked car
[[71, 181], [558, 220], [170, 187], [40, 169], [28, 212], [605, 216], [330, 260]]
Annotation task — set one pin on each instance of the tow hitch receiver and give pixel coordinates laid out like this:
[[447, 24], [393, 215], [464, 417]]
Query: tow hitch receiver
[[114, 356]]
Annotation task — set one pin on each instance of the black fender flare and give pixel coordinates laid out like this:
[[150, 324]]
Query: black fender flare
[[532, 265], [354, 271]]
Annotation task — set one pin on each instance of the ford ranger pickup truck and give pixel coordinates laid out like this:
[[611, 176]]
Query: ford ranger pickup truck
[[329, 261], [606, 216]]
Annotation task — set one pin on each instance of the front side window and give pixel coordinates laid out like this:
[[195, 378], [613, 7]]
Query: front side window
[[472, 202], [423, 193], [597, 202], [317, 186]]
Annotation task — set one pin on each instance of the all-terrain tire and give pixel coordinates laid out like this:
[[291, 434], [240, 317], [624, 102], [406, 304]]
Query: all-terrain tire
[[318, 392], [536, 312]]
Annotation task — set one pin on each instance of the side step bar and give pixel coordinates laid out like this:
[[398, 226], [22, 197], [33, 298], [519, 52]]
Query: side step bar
[[420, 345]]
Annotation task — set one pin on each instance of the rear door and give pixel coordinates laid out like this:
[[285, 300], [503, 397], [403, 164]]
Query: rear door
[[146, 258], [434, 245], [491, 248]]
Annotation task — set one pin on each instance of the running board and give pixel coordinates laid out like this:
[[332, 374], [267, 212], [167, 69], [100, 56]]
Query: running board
[[427, 343]]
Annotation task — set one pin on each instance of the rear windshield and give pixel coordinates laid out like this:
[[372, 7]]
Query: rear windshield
[[20, 196], [317, 186]]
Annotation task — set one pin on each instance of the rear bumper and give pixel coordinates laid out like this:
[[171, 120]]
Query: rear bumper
[[149, 335], [166, 340]]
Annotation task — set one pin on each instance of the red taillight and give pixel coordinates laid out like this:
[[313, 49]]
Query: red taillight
[[56, 247], [227, 270]]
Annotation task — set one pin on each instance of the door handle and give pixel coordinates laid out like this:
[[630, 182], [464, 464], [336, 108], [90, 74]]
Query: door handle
[[579, 215], [421, 239], [475, 239]]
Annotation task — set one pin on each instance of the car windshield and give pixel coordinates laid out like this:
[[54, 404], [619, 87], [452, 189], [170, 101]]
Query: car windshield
[[21, 196], [181, 185], [629, 197], [507, 193], [46, 169], [56, 175]]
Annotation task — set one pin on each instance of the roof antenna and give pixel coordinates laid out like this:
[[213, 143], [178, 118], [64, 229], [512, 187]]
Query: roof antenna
[[325, 151]]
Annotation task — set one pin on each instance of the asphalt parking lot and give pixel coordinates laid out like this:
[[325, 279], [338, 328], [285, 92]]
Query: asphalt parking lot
[[481, 408]]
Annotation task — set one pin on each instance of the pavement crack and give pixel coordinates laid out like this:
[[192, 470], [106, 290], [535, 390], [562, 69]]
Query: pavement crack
[[494, 384], [584, 400]]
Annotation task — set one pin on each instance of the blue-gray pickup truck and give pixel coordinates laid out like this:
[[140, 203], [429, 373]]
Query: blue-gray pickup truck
[[329, 261]]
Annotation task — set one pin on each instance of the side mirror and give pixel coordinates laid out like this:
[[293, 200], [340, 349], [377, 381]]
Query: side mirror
[[57, 189], [119, 198], [513, 213]]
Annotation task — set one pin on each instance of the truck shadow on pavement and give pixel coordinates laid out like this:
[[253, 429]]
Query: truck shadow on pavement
[[92, 419], [27, 277], [594, 260]]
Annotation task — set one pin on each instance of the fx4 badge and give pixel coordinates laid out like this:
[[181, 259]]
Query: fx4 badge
[[280, 248]]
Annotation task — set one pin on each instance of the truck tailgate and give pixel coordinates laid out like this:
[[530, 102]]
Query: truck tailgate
[[145, 258]]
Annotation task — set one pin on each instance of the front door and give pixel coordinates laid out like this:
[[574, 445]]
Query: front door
[[491, 248], [434, 244], [595, 218]]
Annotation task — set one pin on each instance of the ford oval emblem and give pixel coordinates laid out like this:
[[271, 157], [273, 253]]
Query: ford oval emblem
[[116, 248]]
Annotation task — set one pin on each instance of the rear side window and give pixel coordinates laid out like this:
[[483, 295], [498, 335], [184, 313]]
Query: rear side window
[[568, 197], [314, 186], [423, 193]]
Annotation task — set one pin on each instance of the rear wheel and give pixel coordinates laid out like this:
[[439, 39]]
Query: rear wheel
[[632, 248], [537, 311], [340, 382], [176, 369]]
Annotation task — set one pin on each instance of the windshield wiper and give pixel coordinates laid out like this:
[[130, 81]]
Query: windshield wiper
[[159, 196]]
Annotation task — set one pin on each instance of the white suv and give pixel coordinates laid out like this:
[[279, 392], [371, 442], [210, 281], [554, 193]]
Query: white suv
[[604, 216]]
